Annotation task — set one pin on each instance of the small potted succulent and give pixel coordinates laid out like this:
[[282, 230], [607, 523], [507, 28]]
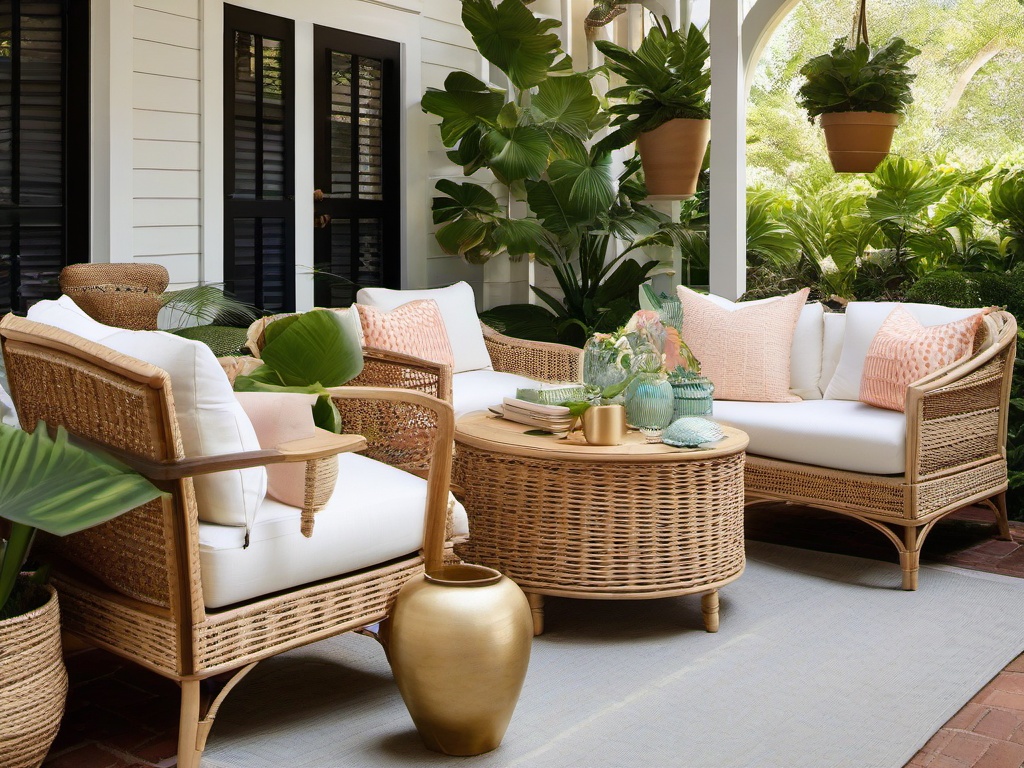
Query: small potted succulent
[[666, 108], [860, 95]]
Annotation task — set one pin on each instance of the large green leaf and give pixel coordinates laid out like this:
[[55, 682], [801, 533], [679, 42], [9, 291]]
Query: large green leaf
[[462, 200], [464, 104], [459, 238], [513, 39], [517, 153], [523, 321], [587, 189], [520, 237], [315, 347], [61, 488], [568, 103], [550, 207]]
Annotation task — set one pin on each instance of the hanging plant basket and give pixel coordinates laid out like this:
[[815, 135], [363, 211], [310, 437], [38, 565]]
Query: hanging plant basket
[[858, 141], [672, 155]]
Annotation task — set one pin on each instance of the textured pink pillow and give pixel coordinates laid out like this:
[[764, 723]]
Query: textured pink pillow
[[279, 417], [744, 351], [904, 351], [416, 329]]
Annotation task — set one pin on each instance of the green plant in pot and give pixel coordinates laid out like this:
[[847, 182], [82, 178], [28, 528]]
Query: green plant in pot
[[860, 95], [666, 108], [52, 485], [561, 202]]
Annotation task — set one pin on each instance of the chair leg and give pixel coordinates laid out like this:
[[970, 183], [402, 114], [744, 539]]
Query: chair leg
[[998, 504], [188, 726], [910, 558]]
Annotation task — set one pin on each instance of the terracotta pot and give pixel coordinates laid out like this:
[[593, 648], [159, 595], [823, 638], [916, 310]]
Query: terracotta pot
[[672, 155], [459, 646], [33, 683], [604, 424], [858, 141]]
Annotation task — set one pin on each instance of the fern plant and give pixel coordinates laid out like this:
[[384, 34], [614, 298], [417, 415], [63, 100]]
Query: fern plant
[[858, 79]]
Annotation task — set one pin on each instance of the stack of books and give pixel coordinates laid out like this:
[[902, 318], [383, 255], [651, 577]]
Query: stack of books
[[553, 418]]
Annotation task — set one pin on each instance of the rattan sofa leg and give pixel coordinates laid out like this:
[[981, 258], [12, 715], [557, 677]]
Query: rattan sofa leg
[[998, 505], [709, 610], [188, 726], [537, 609], [910, 558]]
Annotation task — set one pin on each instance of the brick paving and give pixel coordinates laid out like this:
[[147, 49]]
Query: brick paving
[[122, 716]]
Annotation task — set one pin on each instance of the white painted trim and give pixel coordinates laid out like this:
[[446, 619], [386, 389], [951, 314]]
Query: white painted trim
[[762, 20], [111, 76], [211, 136], [304, 138]]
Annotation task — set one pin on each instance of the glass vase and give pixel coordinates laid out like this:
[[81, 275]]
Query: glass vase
[[649, 402], [692, 397], [600, 365]]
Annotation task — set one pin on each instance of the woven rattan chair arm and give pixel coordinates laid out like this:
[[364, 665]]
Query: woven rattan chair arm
[[437, 439], [324, 444], [384, 368], [537, 359]]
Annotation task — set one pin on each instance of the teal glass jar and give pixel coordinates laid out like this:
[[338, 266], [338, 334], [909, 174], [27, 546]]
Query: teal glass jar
[[692, 397], [601, 366], [649, 402]]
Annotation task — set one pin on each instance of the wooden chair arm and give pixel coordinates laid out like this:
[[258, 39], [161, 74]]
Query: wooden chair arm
[[539, 360]]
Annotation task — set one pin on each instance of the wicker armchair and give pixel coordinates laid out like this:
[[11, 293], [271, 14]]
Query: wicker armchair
[[121, 295], [955, 455], [134, 585]]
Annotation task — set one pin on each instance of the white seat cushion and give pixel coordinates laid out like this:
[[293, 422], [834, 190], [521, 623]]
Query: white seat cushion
[[458, 310], [839, 434], [375, 514], [863, 319], [209, 417], [478, 390]]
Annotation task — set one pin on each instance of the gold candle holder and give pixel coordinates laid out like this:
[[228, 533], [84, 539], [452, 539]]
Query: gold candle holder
[[604, 424]]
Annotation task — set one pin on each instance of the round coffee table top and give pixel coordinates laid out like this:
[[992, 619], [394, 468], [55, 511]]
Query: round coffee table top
[[489, 432]]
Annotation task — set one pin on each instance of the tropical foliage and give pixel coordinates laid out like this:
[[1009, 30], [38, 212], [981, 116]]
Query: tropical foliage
[[51, 485], [858, 79], [668, 77], [560, 200]]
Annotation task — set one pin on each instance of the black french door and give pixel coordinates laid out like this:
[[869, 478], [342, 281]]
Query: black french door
[[259, 159], [44, 146], [357, 160]]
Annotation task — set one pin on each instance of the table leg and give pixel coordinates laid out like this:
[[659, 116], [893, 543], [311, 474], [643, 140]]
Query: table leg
[[709, 608], [537, 609]]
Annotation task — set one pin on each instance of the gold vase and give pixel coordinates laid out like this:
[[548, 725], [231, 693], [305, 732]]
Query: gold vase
[[459, 646], [604, 424]]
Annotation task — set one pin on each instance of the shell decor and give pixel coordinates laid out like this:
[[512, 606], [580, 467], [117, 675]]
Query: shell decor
[[692, 432]]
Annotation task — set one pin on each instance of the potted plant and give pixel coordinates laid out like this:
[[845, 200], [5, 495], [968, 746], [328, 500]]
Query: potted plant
[[51, 485], [666, 108], [860, 96], [562, 201]]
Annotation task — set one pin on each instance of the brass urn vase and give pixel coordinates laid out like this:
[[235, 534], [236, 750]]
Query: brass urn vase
[[459, 645], [604, 424]]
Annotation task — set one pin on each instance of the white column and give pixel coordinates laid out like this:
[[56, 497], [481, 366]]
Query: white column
[[728, 151]]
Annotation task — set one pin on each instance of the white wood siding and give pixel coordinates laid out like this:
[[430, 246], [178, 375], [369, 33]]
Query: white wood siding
[[166, 105]]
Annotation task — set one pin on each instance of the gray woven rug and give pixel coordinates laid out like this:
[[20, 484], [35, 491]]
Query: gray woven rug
[[821, 661]]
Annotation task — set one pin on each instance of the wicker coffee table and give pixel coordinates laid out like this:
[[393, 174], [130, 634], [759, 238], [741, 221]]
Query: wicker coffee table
[[562, 517]]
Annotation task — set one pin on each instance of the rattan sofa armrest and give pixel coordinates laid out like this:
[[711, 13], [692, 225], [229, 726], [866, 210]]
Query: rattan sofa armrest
[[322, 445], [537, 359], [384, 368], [430, 433]]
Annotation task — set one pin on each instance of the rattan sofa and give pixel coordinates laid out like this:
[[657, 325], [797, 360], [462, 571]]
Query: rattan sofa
[[134, 585]]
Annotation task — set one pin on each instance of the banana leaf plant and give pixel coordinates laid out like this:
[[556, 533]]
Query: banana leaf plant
[[308, 353], [560, 200], [52, 485]]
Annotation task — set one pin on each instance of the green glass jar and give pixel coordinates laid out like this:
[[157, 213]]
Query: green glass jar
[[649, 402], [692, 397]]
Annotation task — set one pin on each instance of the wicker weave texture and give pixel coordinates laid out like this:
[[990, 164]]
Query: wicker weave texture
[[121, 295], [33, 685], [318, 485], [397, 433], [613, 529], [534, 359]]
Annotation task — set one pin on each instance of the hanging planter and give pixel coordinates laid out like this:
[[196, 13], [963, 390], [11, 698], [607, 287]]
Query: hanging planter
[[666, 111], [860, 95]]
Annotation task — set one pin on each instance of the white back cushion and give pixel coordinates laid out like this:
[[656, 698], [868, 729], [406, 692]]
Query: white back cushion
[[458, 310], [805, 353], [863, 319], [209, 417], [831, 347]]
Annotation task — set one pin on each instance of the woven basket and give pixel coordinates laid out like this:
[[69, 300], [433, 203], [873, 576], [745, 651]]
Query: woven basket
[[33, 684]]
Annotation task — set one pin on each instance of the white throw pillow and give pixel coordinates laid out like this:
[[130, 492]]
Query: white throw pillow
[[458, 310], [863, 319], [63, 313], [805, 353], [209, 417]]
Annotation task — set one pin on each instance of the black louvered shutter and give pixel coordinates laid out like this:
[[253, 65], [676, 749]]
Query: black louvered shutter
[[356, 163], [44, 147], [259, 207]]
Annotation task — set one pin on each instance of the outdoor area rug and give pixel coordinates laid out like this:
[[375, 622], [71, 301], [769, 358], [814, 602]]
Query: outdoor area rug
[[821, 660]]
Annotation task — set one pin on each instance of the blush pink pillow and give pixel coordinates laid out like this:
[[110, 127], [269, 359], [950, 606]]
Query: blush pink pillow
[[279, 417], [416, 329], [904, 351], [744, 351]]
